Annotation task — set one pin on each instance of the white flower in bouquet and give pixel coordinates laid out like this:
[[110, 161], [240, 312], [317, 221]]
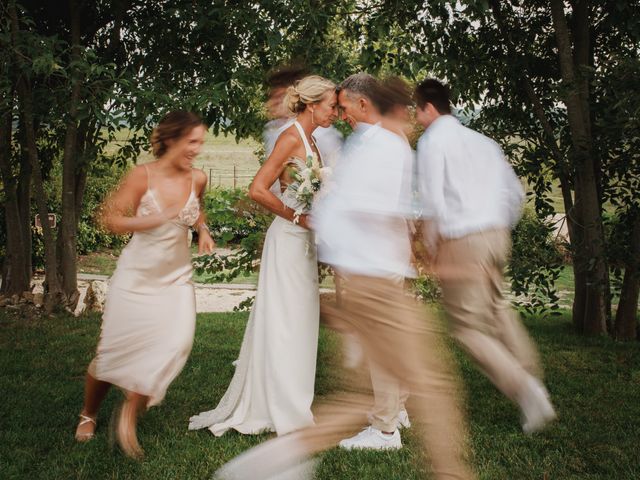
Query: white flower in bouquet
[[307, 183]]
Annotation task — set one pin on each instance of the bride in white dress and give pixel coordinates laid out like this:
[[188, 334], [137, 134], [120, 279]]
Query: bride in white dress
[[273, 385]]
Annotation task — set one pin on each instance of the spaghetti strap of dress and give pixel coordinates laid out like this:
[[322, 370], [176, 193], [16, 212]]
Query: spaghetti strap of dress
[[146, 169], [307, 147]]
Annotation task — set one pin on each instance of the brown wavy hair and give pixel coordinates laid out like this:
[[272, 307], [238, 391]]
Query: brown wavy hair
[[173, 125]]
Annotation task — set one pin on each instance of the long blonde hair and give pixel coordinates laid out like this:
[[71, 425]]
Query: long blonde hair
[[308, 90]]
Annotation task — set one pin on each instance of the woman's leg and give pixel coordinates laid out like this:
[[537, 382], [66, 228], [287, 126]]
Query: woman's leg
[[94, 392]]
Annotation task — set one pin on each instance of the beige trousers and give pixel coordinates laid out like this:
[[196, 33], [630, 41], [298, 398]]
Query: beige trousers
[[394, 335], [389, 395], [482, 320]]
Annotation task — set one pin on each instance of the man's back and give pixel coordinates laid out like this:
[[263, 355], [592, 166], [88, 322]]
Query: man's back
[[466, 184]]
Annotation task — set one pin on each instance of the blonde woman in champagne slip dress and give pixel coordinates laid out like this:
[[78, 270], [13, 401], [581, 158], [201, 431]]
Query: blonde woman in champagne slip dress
[[273, 385], [149, 316]]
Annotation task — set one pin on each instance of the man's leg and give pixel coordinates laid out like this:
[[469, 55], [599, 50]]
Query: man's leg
[[407, 350]]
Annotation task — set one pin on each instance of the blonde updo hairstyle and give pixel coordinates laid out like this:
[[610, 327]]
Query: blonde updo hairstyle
[[308, 90]]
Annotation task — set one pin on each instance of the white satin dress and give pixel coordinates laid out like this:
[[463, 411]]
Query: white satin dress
[[273, 385], [150, 311]]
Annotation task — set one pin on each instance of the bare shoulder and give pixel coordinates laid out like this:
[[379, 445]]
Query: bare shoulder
[[287, 142], [137, 177], [199, 178], [289, 137]]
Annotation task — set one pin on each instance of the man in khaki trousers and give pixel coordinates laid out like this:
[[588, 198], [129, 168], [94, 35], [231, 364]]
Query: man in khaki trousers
[[362, 232], [471, 198]]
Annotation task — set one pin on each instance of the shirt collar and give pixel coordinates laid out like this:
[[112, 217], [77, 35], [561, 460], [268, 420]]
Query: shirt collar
[[366, 129], [444, 120]]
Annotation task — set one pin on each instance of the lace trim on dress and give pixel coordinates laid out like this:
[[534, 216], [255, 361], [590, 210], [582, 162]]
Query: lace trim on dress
[[149, 204]]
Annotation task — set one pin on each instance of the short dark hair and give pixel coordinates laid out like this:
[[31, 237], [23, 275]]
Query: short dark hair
[[434, 92], [286, 76]]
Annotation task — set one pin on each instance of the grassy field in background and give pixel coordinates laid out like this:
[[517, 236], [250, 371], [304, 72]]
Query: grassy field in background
[[218, 157], [594, 382]]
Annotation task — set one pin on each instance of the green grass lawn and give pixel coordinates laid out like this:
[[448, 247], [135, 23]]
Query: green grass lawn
[[594, 382]]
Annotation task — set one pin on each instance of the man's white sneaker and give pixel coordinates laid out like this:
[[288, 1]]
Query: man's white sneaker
[[403, 419], [372, 439], [537, 410]]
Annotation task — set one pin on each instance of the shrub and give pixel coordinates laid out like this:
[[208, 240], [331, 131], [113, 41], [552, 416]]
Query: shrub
[[536, 262], [102, 179], [233, 220]]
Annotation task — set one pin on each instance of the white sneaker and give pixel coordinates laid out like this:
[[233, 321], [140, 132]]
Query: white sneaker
[[537, 410], [403, 419], [372, 439]]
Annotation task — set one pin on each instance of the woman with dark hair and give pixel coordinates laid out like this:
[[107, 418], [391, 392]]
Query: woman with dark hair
[[149, 316]]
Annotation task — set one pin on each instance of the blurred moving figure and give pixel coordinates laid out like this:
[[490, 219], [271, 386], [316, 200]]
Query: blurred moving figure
[[328, 139], [273, 385], [471, 198], [363, 231], [150, 312], [396, 99]]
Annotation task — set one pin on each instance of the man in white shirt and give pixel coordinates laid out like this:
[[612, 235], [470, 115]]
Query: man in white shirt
[[470, 199], [363, 234]]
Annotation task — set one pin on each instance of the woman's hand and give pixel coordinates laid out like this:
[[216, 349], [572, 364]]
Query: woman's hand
[[304, 221], [205, 242]]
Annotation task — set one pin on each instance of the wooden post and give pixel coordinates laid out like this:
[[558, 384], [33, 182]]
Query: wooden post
[[234, 175]]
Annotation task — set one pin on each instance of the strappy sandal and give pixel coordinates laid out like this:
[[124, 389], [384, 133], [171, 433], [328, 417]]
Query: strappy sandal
[[85, 437]]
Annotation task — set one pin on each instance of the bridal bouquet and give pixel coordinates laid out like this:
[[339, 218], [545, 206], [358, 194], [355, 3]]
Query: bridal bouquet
[[307, 183]]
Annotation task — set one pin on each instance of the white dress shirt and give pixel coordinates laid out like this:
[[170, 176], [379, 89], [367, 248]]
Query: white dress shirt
[[466, 185], [361, 224]]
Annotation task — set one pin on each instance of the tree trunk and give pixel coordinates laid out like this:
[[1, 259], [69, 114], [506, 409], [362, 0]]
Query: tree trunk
[[53, 291], [627, 315], [68, 224], [15, 278], [590, 303], [24, 204]]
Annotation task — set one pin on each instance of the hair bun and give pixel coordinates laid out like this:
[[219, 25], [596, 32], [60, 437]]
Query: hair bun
[[310, 89], [294, 102]]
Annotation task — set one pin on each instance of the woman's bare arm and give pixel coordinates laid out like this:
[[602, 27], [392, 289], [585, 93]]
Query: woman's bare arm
[[270, 171], [205, 241], [118, 211]]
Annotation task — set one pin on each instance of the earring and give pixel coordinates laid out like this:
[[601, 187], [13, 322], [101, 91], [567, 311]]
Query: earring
[[312, 120]]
